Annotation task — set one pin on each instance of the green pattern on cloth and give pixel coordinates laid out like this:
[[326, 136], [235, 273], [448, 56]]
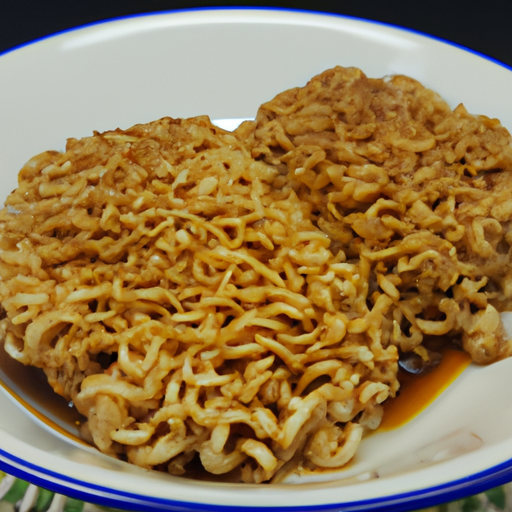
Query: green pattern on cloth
[[19, 496], [498, 499]]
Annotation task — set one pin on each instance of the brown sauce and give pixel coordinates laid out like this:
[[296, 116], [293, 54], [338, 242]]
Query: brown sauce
[[32, 383], [418, 391]]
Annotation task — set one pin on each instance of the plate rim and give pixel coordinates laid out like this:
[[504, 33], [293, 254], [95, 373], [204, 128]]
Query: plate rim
[[429, 496], [241, 8]]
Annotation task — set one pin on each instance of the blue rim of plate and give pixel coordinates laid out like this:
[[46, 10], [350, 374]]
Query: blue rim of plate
[[256, 8], [104, 496]]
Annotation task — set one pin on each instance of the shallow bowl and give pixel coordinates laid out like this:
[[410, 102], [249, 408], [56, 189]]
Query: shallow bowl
[[225, 63]]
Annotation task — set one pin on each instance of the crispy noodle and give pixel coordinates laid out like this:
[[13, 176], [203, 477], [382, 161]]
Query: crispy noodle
[[242, 299]]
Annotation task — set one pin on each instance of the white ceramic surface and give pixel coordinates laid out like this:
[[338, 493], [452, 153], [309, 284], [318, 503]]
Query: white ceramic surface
[[225, 63]]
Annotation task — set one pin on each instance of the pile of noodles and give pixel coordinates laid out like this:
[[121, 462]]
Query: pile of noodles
[[240, 301]]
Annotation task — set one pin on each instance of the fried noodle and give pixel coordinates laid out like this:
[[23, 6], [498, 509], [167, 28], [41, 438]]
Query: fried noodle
[[243, 298]]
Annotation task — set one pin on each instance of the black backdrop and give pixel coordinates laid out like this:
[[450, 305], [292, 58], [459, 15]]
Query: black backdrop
[[485, 26]]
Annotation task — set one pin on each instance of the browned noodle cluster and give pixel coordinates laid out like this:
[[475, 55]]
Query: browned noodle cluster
[[242, 299]]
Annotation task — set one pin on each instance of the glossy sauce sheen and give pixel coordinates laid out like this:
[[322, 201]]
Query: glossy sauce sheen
[[40, 397], [418, 391]]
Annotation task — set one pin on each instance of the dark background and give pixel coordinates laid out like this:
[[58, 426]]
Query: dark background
[[485, 26]]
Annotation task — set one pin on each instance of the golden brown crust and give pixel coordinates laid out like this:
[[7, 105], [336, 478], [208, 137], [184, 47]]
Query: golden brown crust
[[241, 299], [419, 190], [183, 301]]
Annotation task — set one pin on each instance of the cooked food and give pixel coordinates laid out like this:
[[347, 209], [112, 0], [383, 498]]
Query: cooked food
[[415, 194], [240, 301]]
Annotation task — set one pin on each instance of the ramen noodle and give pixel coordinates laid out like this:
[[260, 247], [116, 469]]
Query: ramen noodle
[[418, 193], [240, 301]]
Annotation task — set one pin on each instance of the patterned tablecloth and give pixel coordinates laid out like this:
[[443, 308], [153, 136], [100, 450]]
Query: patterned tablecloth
[[19, 496]]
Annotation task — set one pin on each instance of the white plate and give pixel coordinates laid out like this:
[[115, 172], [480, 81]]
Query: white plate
[[225, 63]]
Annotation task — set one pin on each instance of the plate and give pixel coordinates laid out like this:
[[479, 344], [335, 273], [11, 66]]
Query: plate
[[225, 63]]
